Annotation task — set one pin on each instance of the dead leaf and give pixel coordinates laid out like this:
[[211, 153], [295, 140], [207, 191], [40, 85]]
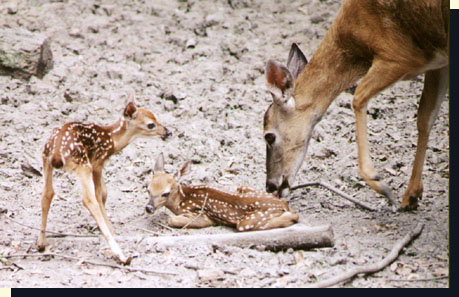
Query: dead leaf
[[16, 244], [299, 257], [394, 266], [442, 257], [29, 170], [440, 272], [380, 227], [391, 171]]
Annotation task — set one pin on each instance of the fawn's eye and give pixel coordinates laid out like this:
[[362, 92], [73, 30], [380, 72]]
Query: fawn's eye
[[151, 125], [165, 194]]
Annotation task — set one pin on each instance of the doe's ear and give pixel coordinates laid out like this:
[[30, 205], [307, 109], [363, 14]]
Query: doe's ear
[[296, 61], [159, 164], [280, 84], [130, 110]]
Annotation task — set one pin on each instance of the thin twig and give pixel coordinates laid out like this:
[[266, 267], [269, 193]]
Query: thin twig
[[419, 279], [56, 234], [165, 226], [146, 230], [89, 262], [200, 213], [336, 191], [372, 268]]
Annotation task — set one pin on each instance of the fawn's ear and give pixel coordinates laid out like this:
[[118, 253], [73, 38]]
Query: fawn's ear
[[184, 170], [159, 164], [130, 110]]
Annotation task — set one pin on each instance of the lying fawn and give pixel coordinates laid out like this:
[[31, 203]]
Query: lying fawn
[[380, 42], [202, 206], [83, 149]]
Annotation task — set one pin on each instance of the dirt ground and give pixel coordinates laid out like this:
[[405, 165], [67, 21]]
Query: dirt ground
[[199, 67]]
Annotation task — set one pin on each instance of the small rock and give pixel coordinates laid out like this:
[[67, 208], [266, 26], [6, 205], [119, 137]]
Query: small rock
[[190, 43], [317, 19], [247, 273], [207, 275], [12, 8]]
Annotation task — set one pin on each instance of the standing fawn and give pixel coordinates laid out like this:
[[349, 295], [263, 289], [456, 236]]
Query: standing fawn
[[379, 41], [202, 206], [83, 149]]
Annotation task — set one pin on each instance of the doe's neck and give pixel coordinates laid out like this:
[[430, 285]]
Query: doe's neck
[[329, 73]]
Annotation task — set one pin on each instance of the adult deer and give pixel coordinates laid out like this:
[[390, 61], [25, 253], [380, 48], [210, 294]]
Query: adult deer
[[202, 206], [83, 149], [380, 41]]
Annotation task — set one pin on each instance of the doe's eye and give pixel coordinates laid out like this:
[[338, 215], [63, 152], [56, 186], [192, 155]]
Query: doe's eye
[[270, 138], [151, 125]]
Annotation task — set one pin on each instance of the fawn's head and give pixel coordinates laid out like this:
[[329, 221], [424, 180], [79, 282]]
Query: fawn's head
[[284, 131], [141, 122], [163, 187]]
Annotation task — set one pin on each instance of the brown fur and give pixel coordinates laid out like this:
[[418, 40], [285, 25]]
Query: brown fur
[[83, 149], [382, 41], [202, 206]]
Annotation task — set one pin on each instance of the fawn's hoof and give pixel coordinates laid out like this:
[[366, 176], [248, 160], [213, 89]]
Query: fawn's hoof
[[41, 246], [123, 260]]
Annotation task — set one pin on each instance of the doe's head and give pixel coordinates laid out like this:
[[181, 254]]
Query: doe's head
[[283, 124]]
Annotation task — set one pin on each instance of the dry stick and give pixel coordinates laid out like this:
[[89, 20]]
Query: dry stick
[[419, 279], [90, 262], [344, 195], [56, 234], [164, 226], [200, 213], [372, 268]]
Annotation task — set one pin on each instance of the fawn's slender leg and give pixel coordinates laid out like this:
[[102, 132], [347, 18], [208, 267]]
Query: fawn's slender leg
[[90, 201], [47, 197], [191, 221], [284, 220], [435, 86], [101, 194], [381, 75], [261, 220]]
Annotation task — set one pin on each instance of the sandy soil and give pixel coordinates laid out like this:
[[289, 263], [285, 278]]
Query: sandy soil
[[199, 66]]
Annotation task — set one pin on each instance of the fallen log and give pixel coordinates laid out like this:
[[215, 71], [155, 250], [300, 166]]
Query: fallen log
[[24, 53], [297, 237]]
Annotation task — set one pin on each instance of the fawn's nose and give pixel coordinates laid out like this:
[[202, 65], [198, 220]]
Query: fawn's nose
[[149, 208], [166, 134]]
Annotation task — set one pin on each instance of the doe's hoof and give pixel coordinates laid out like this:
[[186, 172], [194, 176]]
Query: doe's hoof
[[412, 204]]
